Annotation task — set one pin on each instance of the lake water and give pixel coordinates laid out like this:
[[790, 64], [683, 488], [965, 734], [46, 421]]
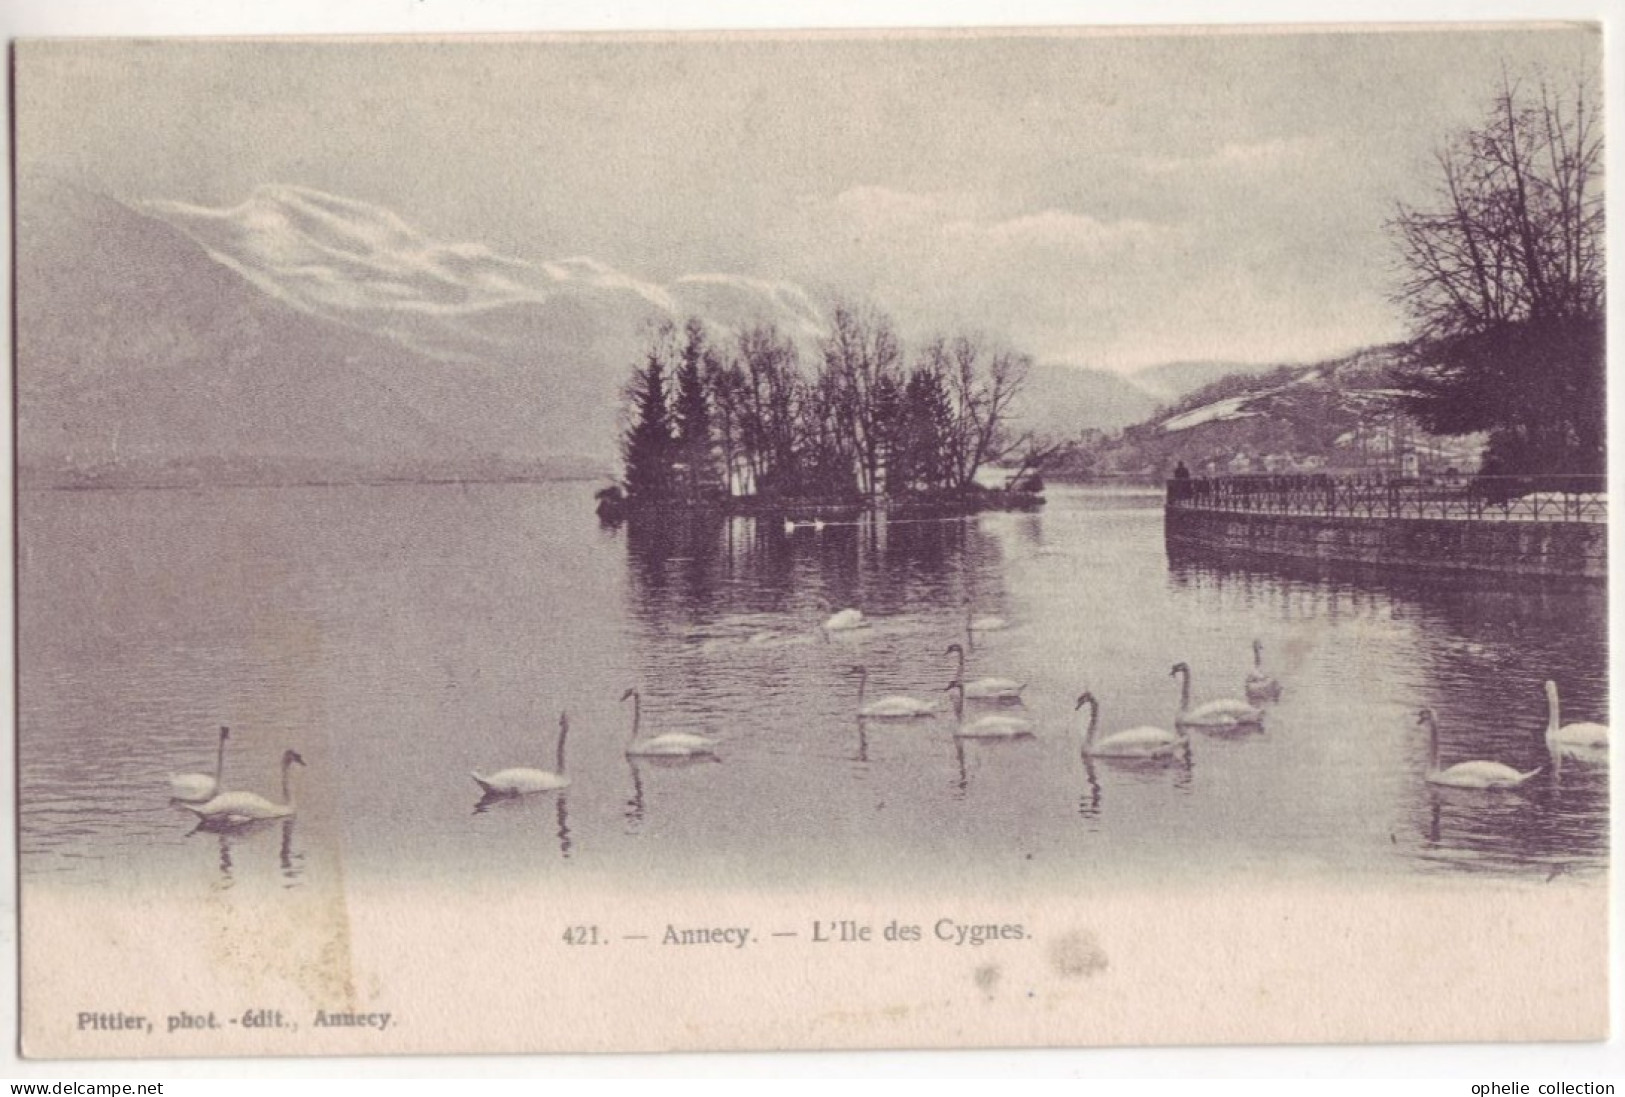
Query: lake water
[[401, 637]]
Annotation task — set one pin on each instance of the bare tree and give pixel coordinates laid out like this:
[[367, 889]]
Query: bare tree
[[1504, 282], [983, 385], [862, 363]]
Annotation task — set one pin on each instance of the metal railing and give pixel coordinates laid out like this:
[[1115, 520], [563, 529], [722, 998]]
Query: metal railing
[[1475, 498]]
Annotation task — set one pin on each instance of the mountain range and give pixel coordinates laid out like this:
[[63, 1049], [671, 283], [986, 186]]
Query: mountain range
[[304, 328]]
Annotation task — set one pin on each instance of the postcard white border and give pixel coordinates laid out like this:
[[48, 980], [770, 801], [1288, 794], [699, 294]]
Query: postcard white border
[[78, 18]]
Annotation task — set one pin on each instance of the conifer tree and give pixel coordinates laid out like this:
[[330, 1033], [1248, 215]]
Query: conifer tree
[[648, 446], [695, 449]]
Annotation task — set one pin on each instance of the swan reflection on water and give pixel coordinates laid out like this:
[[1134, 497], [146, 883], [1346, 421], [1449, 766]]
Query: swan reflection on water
[[232, 842], [531, 804], [1179, 767], [636, 807]]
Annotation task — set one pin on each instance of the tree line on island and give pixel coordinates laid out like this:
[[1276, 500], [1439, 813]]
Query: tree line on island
[[743, 421]]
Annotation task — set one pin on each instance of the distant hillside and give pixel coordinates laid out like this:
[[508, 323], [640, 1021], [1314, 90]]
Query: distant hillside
[[1172, 381], [1064, 401], [1330, 415]]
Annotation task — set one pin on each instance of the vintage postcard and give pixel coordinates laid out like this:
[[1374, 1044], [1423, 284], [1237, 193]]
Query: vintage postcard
[[811, 540]]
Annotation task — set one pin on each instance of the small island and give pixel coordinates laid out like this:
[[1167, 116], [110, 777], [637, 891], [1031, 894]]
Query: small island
[[740, 426]]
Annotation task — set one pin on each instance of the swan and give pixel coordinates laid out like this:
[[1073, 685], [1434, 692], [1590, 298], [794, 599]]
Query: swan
[[789, 526], [1226, 714], [194, 788], [845, 620], [522, 780], [889, 708], [985, 689], [673, 744], [1466, 774], [1261, 687], [1139, 742], [818, 525], [232, 809], [985, 727], [1570, 738]]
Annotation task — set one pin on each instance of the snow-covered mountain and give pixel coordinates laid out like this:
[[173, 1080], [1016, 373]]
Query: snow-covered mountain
[[303, 328], [299, 325], [362, 266]]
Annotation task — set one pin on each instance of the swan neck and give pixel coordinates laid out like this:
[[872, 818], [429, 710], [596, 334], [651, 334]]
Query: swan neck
[[1094, 723], [558, 756], [287, 788], [220, 760], [637, 713], [1184, 689], [1433, 742], [1554, 719]]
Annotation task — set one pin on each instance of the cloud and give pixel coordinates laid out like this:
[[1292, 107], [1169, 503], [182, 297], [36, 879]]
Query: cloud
[[1236, 159]]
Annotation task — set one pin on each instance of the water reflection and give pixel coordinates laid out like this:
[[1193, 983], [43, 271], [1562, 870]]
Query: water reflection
[[530, 805], [231, 843], [311, 631], [1478, 650], [1175, 771]]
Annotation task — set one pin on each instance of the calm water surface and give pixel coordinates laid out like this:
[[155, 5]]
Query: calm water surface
[[400, 637]]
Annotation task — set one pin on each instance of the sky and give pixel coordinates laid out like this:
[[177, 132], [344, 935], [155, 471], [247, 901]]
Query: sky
[[1111, 201]]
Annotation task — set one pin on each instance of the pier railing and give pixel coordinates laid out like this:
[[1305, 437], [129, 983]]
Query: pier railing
[[1476, 498]]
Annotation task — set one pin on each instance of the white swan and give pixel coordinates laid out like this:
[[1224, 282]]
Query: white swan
[[818, 524], [1466, 774], [985, 689], [846, 620], [789, 526], [522, 780], [1261, 687], [985, 727], [1571, 738], [889, 708], [1138, 742], [194, 788], [232, 809], [673, 744], [1220, 715]]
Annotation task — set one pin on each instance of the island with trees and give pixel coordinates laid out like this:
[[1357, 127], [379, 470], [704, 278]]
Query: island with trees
[[742, 424]]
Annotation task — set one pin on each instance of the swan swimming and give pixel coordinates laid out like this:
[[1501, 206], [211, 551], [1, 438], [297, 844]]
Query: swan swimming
[[1137, 742], [522, 780], [889, 708], [1261, 687], [1466, 774], [672, 744], [985, 727], [1581, 739], [194, 788], [985, 689], [233, 809], [846, 620], [1222, 715]]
